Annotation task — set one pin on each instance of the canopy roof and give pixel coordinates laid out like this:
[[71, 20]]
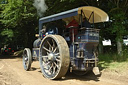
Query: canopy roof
[[99, 15], [68, 16], [89, 12]]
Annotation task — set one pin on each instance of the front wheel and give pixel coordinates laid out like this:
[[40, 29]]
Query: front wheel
[[27, 59], [54, 57]]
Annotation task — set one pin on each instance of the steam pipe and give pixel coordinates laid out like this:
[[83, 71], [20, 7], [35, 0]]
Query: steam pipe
[[40, 28]]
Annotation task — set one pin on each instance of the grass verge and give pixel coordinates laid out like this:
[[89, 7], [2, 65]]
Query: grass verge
[[113, 62]]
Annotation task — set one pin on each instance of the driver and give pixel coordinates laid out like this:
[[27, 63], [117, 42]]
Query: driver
[[43, 30], [74, 25]]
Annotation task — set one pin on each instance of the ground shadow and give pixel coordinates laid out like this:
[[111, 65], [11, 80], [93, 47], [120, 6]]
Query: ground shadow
[[40, 71], [71, 76], [33, 69], [87, 77], [9, 57]]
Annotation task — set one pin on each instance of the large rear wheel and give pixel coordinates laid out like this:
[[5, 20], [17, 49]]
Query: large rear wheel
[[54, 57]]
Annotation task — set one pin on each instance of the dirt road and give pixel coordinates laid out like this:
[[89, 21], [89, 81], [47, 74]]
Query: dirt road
[[12, 73]]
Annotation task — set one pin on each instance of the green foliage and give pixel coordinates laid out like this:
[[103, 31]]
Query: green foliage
[[7, 36], [19, 16], [56, 6], [117, 17], [7, 32], [117, 10], [15, 11], [10, 13], [114, 57]]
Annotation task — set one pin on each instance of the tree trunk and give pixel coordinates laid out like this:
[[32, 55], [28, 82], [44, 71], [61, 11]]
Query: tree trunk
[[100, 46], [119, 46]]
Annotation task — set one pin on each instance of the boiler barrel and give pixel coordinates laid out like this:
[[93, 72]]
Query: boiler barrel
[[36, 43]]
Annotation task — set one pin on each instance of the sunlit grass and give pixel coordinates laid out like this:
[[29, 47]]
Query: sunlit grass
[[113, 62]]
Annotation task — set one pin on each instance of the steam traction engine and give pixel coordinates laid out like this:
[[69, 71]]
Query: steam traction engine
[[74, 49]]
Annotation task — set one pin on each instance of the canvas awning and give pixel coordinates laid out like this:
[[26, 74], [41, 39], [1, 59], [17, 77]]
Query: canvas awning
[[99, 15], [68, 16]]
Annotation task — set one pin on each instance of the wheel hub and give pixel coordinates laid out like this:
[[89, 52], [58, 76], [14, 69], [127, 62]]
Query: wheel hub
[[26, 59], [51, 57]]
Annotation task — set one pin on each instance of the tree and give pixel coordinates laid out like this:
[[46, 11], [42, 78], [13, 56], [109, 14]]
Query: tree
[[118, 16], [21, 17], [56, 6]]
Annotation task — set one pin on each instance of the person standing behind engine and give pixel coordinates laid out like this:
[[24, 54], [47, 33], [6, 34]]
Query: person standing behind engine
[[73, 26]]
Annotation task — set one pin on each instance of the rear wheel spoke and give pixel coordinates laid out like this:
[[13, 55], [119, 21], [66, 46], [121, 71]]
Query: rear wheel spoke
[[45, 58], [56, 65], [57, 60], [46, 65], [54, 50], [46, 49], [53, 42], [54, 69], [57, 54], [49, 44], [50, 68]]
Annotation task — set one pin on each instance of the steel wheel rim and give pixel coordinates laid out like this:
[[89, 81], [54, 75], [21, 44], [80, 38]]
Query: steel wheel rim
[[50, 60], [25, 59]]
